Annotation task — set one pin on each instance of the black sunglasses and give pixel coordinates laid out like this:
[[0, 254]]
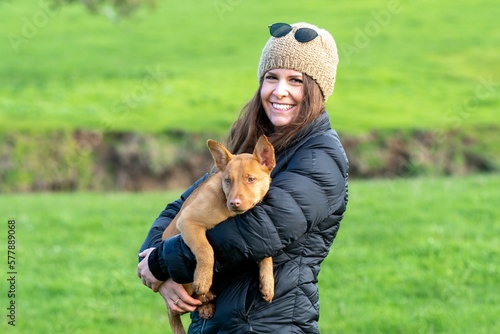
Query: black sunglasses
[[302, 35]]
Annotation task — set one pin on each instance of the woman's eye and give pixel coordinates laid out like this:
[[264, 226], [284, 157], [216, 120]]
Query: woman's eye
[[270, 77]]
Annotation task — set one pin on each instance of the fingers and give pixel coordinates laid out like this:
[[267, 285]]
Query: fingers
[[151, 282], [155, 286], [174, 303], [188, 300], [179, 306], [176, 297], [145, 274], [146, 252]]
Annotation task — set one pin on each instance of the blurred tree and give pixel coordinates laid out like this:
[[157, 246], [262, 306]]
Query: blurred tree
[[113, 9]]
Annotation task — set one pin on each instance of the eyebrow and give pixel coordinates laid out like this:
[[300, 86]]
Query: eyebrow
[[294, 76]]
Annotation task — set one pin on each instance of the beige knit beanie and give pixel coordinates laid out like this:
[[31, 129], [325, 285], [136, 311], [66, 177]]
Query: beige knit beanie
[[317, 58]]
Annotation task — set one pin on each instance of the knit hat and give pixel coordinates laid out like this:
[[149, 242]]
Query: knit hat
[[317, 58]]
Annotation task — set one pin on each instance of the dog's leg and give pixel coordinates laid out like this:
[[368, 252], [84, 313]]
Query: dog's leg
[[266, 279], [171, 230], [195, 237], [175, 322]]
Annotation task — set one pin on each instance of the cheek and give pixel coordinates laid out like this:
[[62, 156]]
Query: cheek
[[265, 91], [264, 96], [298, 94]]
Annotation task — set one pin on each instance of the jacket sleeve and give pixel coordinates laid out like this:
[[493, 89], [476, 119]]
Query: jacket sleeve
[[311, 187]]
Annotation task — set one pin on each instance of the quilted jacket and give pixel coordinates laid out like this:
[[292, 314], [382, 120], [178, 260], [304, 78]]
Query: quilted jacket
[[296, 224]]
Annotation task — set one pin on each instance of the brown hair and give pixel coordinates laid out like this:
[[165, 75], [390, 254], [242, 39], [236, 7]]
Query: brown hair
[[253, 121]]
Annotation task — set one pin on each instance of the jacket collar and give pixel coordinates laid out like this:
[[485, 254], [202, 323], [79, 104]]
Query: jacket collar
[[318, 126]]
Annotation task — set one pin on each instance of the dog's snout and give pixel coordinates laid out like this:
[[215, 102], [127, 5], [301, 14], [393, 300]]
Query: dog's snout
[[235, 203]]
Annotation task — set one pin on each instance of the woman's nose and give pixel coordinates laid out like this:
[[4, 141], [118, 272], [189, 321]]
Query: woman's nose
[[281, 89]]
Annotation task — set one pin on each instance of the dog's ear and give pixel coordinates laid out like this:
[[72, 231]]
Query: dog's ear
[[264, 152], [220, 154]]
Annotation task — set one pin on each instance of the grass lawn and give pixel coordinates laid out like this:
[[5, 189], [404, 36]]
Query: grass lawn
[[192, 65], [412, 256]]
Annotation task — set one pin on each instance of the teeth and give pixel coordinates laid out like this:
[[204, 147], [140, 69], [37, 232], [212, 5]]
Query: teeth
[[282, 106]]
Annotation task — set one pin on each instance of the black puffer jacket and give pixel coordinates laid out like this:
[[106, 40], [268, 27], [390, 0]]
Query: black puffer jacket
[[295, 224]]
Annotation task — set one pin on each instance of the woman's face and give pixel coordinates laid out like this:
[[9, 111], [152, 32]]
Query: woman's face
[[282, 93]]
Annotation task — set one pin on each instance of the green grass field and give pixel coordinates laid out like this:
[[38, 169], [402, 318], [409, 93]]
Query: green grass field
[[413, 255], [407, 259], [192, 65]]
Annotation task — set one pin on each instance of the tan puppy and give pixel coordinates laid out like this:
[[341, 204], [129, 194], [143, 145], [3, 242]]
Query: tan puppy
[[241, 182]]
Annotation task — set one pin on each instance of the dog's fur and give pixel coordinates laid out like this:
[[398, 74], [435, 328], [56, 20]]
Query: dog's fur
[[241, 182]]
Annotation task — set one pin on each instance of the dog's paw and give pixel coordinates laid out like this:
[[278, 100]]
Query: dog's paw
[[206, 311], [209, 296], [206, 298], [267, 289], [202, 286], [267, 295]]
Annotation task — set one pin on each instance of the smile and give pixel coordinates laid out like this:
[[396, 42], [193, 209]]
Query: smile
[[282, 107]]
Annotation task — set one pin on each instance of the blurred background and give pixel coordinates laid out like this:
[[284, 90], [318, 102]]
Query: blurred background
[[120, 95], [105, 108]]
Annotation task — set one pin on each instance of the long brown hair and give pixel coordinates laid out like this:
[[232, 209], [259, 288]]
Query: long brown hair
[[253, 121]]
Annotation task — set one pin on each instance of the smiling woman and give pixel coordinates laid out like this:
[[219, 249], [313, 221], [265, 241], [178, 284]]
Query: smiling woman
[[297, 220]]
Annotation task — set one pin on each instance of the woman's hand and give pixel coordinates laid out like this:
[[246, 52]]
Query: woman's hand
[[177, 298], [174, 294], [145, 274]]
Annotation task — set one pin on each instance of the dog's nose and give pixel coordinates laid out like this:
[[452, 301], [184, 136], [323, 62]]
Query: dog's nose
[[235, 203]]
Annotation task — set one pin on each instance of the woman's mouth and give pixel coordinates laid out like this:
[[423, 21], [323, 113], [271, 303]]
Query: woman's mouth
[[282, 107]]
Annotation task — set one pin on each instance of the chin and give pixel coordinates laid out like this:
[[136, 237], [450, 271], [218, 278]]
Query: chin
[[280, 122]]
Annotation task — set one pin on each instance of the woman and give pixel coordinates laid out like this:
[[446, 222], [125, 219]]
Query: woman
[[298, 219]]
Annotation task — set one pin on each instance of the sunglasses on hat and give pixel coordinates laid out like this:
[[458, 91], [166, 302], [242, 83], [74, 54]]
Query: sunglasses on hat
[[302, 35]]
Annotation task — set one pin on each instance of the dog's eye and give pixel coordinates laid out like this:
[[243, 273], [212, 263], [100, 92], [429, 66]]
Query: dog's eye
[[251, 179], [227, 181]]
